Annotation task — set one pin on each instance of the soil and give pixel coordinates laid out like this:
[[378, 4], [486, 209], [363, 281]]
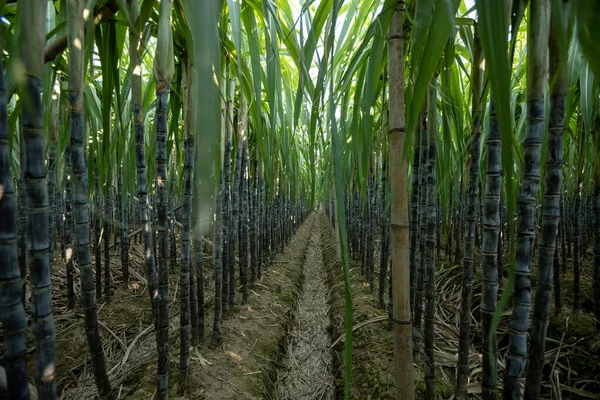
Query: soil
[[287, 341], [308, 372]]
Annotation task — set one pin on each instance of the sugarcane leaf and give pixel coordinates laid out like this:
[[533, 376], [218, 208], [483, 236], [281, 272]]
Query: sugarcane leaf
[[588, 32], [422, 24], [586, 90], [203, 44], [437, 36]]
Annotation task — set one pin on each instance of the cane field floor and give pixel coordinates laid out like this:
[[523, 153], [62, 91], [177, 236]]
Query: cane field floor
[[251, 359], [572, 369], [287, 342]]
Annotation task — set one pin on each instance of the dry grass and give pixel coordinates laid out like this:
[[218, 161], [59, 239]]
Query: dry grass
[[572, 349], [308, 361]]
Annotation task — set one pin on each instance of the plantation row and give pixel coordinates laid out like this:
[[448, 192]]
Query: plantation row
[[252, 226], [467, 198], [53, 203], [575, 235]]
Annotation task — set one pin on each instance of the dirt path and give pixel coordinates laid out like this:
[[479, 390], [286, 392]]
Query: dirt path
[[308, 361]]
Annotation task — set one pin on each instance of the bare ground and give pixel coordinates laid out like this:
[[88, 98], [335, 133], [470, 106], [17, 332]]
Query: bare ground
[[263, 341], [308, 372]]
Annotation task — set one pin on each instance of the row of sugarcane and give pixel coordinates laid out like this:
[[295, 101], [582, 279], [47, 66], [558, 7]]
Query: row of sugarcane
[[580, 219], [260, 217], [576, 231], [569, 226], [262, 226], [106, 219]]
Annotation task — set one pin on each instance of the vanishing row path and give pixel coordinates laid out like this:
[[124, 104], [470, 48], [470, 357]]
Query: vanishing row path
[[308, 359]]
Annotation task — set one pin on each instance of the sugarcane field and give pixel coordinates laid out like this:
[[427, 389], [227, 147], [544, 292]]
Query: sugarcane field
[[300, 199]]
